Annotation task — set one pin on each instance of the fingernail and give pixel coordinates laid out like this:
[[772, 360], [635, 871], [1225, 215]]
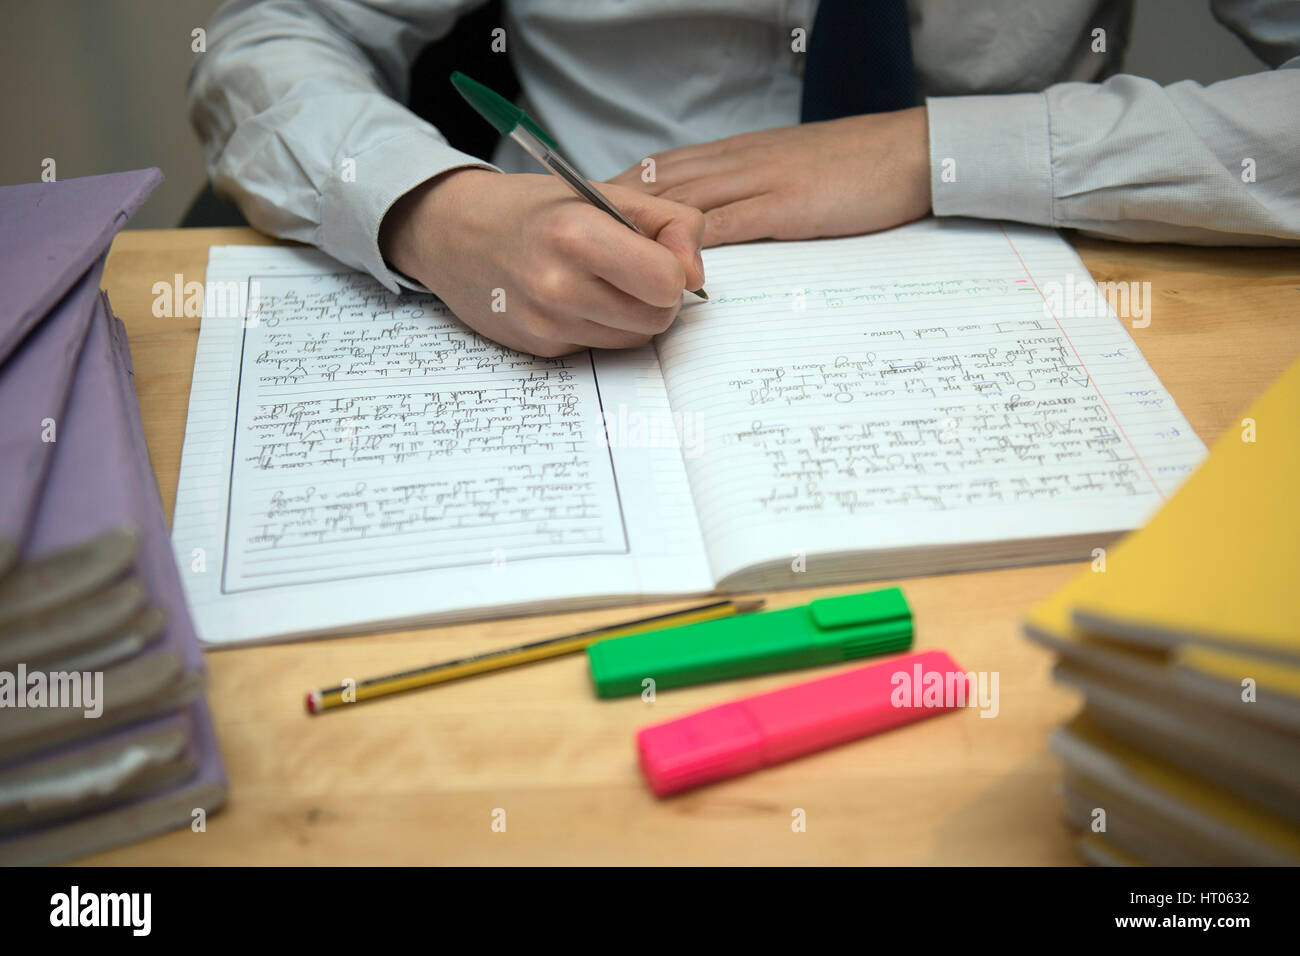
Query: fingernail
[[699, 263]]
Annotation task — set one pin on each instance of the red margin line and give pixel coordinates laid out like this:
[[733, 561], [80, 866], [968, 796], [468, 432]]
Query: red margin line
[[1082, 365]]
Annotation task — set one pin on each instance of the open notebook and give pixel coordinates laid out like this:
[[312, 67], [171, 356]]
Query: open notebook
[[940, 397]]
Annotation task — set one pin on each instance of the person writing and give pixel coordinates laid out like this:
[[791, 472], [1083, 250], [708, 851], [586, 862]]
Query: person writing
[[721, 121]]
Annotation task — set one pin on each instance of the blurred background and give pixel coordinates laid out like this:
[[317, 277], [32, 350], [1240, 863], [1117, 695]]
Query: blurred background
[[99, 85]]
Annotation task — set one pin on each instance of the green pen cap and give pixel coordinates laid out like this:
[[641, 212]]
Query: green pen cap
[[497, 110], [824, 631]]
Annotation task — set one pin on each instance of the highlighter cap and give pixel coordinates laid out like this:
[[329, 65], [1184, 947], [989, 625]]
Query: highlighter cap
[[682, 754], [496, 109]]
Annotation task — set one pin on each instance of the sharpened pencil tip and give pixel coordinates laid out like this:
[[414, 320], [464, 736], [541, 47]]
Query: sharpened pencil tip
[[701, 293]]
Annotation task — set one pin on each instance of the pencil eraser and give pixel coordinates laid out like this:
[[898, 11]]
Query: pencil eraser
[[765, 729]]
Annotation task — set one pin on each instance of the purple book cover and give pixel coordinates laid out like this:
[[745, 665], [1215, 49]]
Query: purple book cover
[[53, 241], [68, 360], [34, 386], [50, 233], [101, 477]]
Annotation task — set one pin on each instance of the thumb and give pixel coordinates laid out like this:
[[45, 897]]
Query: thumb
[[676, 227]]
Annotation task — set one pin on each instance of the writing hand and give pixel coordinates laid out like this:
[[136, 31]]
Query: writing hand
[[523, 261]]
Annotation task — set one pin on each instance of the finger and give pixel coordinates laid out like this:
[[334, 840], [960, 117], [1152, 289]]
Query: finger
[[634, 177], [721, 189], [653, 264], [604, 304], [713, 147], [698, 160], [593, 335], [562, 336], [569, 292], [519, 339], [673, 159], [655, 180], [641, 284], [673, 226], [671, 173], [630, 178], [758, 217], [625, 260], [589, 244]]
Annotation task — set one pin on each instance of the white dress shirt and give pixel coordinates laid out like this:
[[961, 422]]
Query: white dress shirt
[[299, 105]]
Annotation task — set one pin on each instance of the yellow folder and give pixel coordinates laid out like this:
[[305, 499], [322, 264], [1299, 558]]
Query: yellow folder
[[1218, 567], [1181, 805]]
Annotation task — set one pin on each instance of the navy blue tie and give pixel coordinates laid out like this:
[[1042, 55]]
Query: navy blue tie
[[859, 60]]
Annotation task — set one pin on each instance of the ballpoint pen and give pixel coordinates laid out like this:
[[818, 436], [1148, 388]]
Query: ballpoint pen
[[510, 120]]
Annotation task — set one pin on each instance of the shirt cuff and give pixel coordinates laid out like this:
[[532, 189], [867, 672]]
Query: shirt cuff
[[991, 157], [353, 207]]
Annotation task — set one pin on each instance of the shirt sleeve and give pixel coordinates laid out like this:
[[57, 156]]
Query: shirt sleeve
[[299, 107], [1130, 159]]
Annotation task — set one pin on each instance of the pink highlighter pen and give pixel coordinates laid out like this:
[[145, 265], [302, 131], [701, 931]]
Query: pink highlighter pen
[[754, 732]]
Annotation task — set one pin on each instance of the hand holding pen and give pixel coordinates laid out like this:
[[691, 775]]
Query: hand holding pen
[[525, 263]]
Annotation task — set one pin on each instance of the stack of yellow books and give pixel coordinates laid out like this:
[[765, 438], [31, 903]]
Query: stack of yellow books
[[1185, 641]]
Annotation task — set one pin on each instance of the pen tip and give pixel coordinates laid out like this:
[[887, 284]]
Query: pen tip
[[701, 293]]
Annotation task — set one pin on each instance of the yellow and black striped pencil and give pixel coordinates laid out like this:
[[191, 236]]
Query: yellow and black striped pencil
[[319, 701]]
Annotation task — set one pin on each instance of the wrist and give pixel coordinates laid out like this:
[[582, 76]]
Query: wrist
[[911, 143], [892, 152], [409, 232], [922, 171]]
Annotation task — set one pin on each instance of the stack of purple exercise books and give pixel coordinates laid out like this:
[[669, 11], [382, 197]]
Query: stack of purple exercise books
[[105, 737]]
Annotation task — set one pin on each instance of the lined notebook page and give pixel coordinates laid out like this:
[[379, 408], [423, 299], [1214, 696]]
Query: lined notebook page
[[354, 457], [376, 431], [945, 383]]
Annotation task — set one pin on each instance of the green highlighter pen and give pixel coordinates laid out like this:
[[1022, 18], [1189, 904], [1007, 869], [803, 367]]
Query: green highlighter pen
[[825, 631], [510, 120]]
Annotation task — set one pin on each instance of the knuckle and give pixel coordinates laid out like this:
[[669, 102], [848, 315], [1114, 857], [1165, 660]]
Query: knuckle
[[538, 326], [680, 193], [564, 230], [553, 284], [718, 222], [734, 144], [662, 319], [549, 337]]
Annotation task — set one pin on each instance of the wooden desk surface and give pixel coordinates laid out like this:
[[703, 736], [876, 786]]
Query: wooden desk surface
[[416, 779]]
